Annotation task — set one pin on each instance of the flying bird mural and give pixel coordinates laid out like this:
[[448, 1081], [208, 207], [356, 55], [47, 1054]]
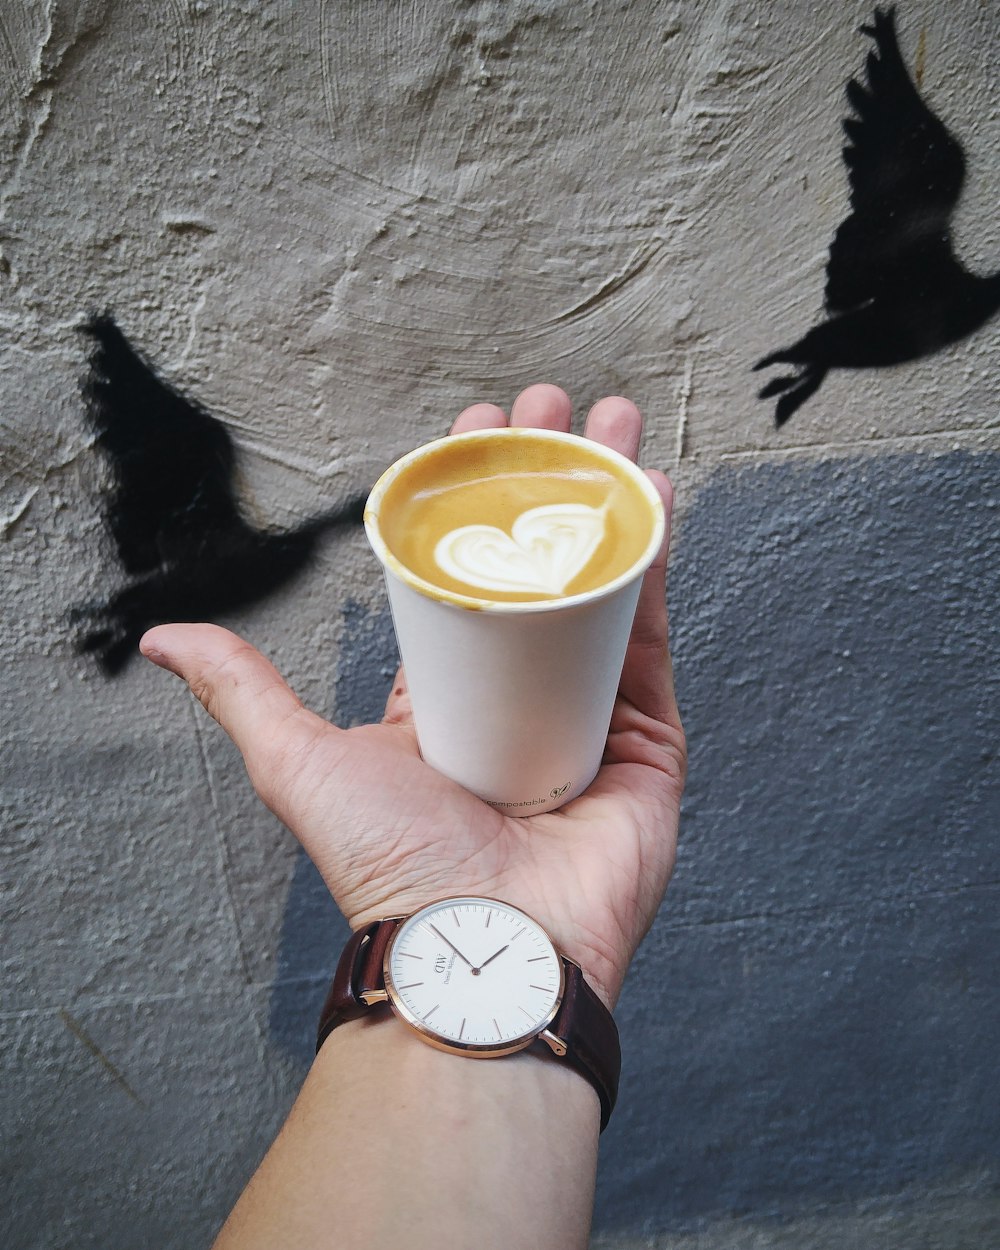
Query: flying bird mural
[[895, 290], [186, 549]]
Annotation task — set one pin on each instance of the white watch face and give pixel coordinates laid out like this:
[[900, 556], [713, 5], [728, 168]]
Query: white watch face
[[475, 975]]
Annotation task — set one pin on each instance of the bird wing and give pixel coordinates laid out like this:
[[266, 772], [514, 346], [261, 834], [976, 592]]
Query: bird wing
[[171, 462], [906, 173]]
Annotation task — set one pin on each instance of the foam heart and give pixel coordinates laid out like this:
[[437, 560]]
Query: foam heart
[[546, 548]]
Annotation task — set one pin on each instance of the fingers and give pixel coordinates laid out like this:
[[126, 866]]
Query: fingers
[[647, 678], [613, 421], [479, 417], [540, 407], [398, 710], [543, 407], [617, 424], [239, 688]]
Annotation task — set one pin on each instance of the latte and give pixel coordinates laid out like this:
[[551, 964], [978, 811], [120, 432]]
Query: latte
[[515, 516]]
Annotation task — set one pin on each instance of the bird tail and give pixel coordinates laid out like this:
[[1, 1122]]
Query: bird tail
[[351, 512]]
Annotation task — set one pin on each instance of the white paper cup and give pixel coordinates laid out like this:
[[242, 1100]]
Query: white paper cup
[[513, 699]]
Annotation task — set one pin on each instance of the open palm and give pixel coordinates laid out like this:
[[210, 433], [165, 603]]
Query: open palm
[[389, 833]]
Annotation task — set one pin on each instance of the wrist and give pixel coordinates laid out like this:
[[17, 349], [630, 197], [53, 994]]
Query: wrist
[[523, 1085], [513, 1145]]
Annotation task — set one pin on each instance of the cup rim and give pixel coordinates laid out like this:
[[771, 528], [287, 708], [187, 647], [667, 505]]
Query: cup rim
[[474, 603]]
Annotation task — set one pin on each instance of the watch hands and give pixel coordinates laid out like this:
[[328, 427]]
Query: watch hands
[[475, 970], [492, 957]]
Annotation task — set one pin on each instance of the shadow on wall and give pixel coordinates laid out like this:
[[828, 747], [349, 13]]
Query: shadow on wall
[[313, 932], [172, 510], [895, 289]]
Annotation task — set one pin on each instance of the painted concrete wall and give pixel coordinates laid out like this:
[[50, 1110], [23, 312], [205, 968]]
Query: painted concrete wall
[[334, 225]]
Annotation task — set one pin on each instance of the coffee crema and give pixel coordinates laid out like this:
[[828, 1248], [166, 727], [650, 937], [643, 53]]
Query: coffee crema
[[515, 516]]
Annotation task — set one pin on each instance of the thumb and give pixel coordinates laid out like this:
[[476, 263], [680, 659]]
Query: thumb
[[248, 697]]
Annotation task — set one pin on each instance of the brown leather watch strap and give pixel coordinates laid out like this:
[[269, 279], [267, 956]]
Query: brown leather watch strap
[[359, 971], [591, 1037]]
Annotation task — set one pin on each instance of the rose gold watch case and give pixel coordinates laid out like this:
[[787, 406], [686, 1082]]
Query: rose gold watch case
[[476, 1050]]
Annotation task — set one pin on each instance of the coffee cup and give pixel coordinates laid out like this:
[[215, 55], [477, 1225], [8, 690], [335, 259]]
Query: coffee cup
[[513, 560]]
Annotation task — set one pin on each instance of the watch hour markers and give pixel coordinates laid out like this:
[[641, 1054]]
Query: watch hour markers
[[517, 935], [410, 955], [432, 1011], [544, 988], [412, 986], [457, 921], [489, 917], [461, 1031], [497, 1027], [536, 960], [527, 1013]]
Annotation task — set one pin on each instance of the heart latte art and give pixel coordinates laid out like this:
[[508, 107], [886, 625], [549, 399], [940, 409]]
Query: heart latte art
[[514, 517], [545, 550]]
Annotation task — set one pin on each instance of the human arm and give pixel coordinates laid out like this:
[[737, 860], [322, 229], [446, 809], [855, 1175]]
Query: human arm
[[514, 1140]]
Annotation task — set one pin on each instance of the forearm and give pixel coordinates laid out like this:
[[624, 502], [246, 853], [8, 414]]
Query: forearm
[[392, 1143]]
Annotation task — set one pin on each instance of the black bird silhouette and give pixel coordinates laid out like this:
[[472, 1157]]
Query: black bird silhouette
[[172, 509], [895, 290]]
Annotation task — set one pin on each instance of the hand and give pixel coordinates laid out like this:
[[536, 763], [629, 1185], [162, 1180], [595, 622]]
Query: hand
[[390, 834]]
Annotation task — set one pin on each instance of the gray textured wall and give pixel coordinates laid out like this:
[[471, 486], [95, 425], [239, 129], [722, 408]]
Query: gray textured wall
[[335, 225]]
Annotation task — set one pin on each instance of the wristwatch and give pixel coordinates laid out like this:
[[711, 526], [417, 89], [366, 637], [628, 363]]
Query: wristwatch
[[480, 978]]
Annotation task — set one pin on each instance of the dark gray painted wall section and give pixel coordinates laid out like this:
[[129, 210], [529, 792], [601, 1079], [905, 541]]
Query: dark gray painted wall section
[[814, 1017]]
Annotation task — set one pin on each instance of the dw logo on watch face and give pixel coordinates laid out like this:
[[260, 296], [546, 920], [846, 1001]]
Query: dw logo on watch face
[[443, 966]]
